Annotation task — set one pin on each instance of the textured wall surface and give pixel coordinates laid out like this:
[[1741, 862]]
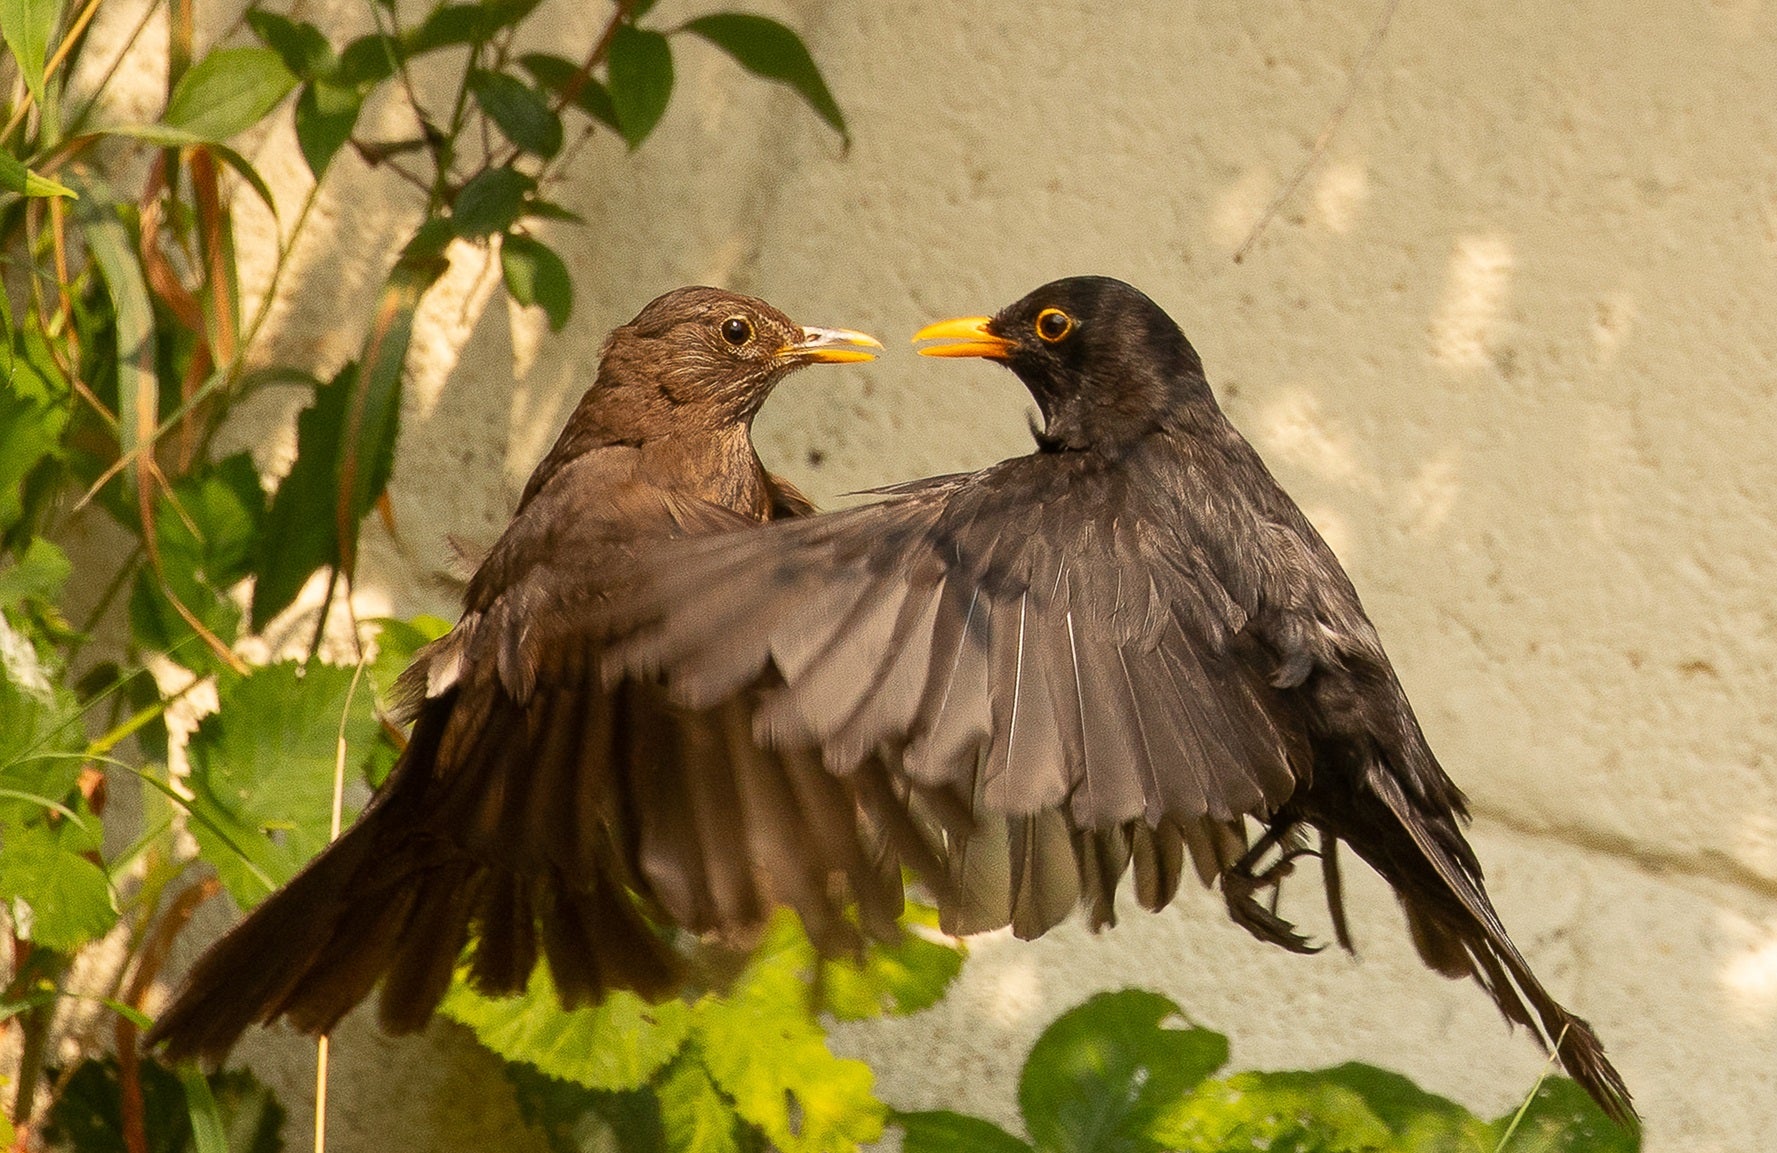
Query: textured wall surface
[[1510, 345]]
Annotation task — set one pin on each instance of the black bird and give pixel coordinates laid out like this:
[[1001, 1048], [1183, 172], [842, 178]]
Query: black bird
[[1121, 647], [541, 812]]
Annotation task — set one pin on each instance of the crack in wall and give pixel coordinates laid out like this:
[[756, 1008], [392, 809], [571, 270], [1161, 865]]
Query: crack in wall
[[1656, 860]]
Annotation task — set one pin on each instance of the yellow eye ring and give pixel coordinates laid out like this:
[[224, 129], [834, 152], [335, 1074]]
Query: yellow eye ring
[[1053, 324], [737, 330]]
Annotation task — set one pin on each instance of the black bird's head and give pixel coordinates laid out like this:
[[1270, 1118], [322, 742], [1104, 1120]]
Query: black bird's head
[[1104, 362], [717, 353]]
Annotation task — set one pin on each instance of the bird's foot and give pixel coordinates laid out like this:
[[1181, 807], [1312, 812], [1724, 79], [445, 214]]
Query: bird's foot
[[1242, 883]]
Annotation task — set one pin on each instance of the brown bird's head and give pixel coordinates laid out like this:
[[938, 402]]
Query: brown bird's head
[[1105, 363], [715, 354]]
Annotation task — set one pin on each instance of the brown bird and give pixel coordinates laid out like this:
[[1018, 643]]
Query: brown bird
[[534, 809], [1121, 647]]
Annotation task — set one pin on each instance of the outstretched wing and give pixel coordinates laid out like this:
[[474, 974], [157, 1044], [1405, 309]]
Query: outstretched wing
[[547, 814], [1037, 638]]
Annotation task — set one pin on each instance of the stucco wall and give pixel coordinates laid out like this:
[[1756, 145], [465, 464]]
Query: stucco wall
[[1511, 346]]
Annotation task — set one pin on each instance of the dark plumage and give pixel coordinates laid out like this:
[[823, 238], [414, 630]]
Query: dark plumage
[[1121, 647], [536, 810]]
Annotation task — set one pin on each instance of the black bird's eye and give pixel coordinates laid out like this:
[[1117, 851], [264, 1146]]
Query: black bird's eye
[[737, 330], [1053, 324]]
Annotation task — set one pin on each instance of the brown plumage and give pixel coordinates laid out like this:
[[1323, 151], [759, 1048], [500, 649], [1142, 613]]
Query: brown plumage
[[1121, 647], [541, 814]]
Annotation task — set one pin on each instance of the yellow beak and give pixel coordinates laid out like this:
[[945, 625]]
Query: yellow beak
[[971, 335], [831, 346]]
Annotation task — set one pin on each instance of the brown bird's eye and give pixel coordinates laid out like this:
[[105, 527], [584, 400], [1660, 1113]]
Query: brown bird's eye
[[737, 330], [1053, 324]]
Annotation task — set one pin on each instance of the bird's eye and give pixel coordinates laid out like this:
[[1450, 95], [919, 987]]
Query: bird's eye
[[1053, 324], [737, 330]]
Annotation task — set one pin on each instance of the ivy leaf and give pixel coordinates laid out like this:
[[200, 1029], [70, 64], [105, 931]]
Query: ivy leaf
[[326, 113], [764, 1049], [694, 1115], [617, 1044], [774, 51], [941, 1131], [47, 869], [522, 115], [15, 177], [27, 26], [227, 92], [302, 47], [1100, 1074], [262, 771], [640, 68], [897, 979], [559, 75], [491, 202], [535, 275]]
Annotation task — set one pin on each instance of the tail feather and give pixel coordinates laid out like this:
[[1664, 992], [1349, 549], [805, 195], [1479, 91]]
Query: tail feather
[[253, 973], [1459, 933]]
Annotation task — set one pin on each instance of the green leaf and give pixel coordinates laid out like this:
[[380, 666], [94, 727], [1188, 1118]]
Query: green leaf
[[1418, 1119], [300, 534], [941, 1131], [397, 642], [449, 25], [15, 177], [36, 575], [774, 51], [207, 1135], [34, 413], [1560, 1118], [1101, 1073], [1275, 1111], [345, 441], [522, 115], [535, 275], [693, 1113], [559, 75], [87, 1117], [764, 1049], [39, 736], [262, 770], [227, 92], [491, 202], [368, 60], [617, 1044], [58, 892], [373, 414], [302, 47], [325, 116], [905, 977], [138, 389], [576, 1120], [28, 26], [207, 534], [640, 69]]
